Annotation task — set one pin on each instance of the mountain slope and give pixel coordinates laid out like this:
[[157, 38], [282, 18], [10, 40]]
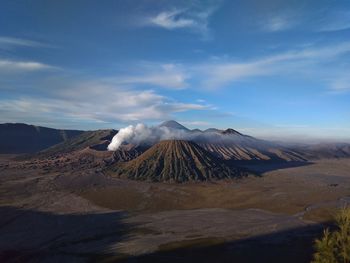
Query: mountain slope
[[128, 152], [232, 145], [173, 125], [226, 144], [239, 151], [23, 138], [177, 161], [96, 140], [325, 151]]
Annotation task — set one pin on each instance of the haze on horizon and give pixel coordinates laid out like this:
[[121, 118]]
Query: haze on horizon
[[272, 69]]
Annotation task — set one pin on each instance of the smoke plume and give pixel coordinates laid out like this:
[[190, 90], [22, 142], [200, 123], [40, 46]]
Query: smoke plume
[[141, 133]]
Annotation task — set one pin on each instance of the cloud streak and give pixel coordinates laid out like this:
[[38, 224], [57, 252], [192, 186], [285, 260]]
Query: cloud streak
[[336, 21], [278, 23], [340, 85], [192, 17], [97, 102], [220, 74], [12, 42], [11, 66], [172, 20], [164, 75]]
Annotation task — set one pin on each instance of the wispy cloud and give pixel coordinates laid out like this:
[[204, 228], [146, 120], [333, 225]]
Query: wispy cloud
[[12, 42], [11, 66], [303, 61], [278, 23], [161, 75], [193, 17], [196, 123], [336, 21], [172, 20], [95, 101], [329, 20], [340, 85]]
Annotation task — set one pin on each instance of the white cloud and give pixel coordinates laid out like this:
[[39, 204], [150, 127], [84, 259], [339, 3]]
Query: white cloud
[[164, 75], [8, 66], [218, 73], [340, 84], [336, 21], [96, 102], [322, 20], [278, 23], [196, 123], [172, 20], [11, 42], [193, 17]]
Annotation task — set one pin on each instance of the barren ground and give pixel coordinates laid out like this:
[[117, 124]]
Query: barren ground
[[50, 213]]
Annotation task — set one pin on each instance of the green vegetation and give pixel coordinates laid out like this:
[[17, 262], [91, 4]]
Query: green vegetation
[[334, 246]]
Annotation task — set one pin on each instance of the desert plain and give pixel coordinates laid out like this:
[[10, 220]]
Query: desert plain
[[51, 213]]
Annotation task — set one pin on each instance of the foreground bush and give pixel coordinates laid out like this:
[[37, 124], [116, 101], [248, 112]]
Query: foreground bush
[[334, 246]]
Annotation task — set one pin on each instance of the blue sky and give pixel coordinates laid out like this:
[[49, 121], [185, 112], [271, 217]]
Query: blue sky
[[273, 68]]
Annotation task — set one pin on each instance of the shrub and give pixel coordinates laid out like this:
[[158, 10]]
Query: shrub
[[334, 246]]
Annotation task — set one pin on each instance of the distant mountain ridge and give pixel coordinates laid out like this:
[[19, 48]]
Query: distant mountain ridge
[[16, 138], [228, 144], [97, 140], [326, 151]]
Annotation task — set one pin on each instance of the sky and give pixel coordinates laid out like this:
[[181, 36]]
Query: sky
[[272, 69]]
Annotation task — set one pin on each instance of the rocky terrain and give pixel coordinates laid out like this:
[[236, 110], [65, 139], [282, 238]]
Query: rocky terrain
[[75, 202], [230, 144], [175, 161]]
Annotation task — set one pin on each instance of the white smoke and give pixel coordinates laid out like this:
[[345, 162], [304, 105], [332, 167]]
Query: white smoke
[[141, 133]]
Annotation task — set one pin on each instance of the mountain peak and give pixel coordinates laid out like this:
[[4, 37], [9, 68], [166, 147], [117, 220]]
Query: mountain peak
[[213, 130], [231, 131], [177, 161], [173, 125]]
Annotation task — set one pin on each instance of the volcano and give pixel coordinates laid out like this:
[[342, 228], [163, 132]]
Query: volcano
[[175, 161], [173, 125]]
